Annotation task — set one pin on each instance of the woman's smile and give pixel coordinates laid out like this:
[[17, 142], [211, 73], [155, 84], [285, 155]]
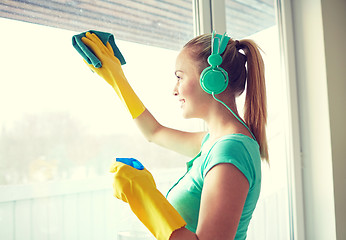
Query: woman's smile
[[182, 101]]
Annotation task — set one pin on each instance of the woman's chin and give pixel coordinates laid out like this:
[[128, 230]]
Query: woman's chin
[[186, 115]]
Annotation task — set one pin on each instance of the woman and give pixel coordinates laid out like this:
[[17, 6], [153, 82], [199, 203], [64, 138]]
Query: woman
[[216, 197]]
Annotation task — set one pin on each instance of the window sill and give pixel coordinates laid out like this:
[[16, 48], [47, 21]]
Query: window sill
[[163, 177]]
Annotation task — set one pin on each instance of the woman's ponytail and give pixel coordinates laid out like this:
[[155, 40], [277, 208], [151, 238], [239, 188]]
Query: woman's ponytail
[[255, 108]]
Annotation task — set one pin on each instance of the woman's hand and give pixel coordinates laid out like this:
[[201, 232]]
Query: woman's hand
[[129, 182], [111, 69], [138, 189], [112, 72]]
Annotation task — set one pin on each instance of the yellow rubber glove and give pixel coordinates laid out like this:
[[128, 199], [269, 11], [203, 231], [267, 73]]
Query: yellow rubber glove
[[138, 189], [112, 72]]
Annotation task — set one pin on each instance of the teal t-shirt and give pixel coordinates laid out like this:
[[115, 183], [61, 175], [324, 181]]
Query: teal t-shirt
[[237, 149]]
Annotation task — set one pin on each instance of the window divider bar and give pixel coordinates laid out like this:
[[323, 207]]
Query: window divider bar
[[202, 16], [218, 15]]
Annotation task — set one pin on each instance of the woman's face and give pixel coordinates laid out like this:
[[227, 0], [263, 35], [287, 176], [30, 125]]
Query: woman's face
[[193, 99]]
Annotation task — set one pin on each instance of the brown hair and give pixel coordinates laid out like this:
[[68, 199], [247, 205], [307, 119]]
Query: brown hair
[[244, 70]]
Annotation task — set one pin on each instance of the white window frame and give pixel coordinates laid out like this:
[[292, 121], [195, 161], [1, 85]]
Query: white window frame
[[295, 181]]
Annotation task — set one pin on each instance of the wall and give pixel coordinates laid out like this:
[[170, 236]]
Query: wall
[[334, 22], [319, 30]]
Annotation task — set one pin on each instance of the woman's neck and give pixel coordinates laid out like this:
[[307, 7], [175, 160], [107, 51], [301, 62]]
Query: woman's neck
[[221, 121]]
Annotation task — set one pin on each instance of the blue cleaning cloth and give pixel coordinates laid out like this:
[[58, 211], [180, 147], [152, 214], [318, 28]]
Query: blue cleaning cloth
[[131, 162], [88, 55]]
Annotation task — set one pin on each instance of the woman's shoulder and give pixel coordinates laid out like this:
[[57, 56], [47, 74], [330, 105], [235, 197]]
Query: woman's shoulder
[[237, 149], [230, 143]]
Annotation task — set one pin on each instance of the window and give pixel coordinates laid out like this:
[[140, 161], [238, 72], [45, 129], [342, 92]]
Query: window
[[60, 121], [61, 125]]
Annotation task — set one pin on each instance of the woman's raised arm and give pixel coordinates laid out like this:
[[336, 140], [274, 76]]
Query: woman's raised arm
[[186, 143]]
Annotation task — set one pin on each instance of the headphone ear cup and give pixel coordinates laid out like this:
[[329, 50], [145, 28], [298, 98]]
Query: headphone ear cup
[[214, 80]]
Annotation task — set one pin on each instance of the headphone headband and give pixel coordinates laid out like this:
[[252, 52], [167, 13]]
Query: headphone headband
[[218, 43]]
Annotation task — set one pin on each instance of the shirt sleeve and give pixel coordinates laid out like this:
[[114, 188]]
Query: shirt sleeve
[[233, 152]]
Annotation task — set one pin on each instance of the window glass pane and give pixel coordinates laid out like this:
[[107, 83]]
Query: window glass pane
[[151, 22], [245, 18], [59, 120], [256, 20]]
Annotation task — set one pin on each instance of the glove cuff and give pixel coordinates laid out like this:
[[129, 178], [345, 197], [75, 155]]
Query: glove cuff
[[130, 99], [157, 214]]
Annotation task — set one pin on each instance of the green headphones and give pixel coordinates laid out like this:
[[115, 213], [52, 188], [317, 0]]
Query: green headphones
[[214, 79]]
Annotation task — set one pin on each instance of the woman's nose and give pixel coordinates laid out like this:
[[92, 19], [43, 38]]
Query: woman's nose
[[175, 91]]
